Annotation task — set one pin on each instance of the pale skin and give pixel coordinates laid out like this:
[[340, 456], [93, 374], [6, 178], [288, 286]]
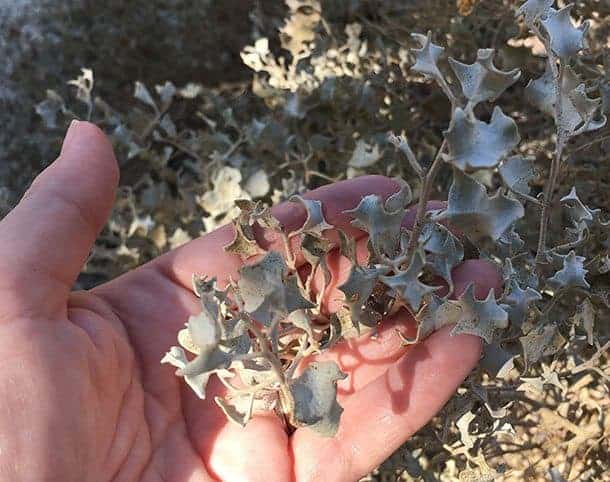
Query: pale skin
[[84, 397]]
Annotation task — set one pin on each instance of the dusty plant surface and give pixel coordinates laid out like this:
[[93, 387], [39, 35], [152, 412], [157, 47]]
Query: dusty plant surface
[[302, 94]]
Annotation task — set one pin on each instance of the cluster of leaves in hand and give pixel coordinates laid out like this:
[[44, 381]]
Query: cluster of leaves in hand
[[317, 93], [259, 330]]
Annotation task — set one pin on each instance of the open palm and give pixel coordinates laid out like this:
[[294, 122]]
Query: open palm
[[84, 397]]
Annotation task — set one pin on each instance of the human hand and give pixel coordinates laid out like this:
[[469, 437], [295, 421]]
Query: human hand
[[85, 398]]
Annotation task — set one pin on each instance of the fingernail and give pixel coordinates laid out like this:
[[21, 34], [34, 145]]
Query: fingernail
[[70, 136]]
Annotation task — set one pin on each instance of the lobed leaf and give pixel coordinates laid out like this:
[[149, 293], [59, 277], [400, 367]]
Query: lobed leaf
[[177, 358], [357, 290], [541, 341], [497, 361], [315, 223], [470, 316], [566, 39], [406, 284], [517, 172], [474, 144], [518, 301], [445, 251], [482, 80], [383, 225], [533, 10], [477, 214], [578, 112], [364, 155], [315, 397], [269, 294], [479, 318], [585, 316], [427, 56], [572, 274]]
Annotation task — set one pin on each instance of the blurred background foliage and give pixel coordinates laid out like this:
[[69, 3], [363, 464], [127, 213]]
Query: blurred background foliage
[[208, 102]]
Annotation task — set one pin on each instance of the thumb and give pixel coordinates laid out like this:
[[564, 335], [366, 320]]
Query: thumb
[[46, 239]]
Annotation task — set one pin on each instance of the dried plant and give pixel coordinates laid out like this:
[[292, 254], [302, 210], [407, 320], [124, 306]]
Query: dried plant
[[339, 100], [255, 334]]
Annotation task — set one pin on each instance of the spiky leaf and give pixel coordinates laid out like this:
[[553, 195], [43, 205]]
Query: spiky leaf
[[267, 290], [565, 38], [233, 413], [471, 316], [518, 300], [482, 80], [315, 397], [357, 290], [578, 111], [315, 223], [541, 341], [497, 361], [364, 155], [427, 56], [406, 284], [445, 251], [474, 144], [585, 316], [477, 214], [480, 318], [572, 274], [517, 172], [532, 10], [177, 358], [383, 225], [241, 245]]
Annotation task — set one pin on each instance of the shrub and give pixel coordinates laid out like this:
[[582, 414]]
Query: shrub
[[319, 109]]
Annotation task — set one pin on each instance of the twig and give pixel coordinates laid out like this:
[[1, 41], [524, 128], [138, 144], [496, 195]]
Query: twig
[[276, 367], [590, 362], [589, 144], [559, 145], [153, 123], [400, 143], [233, 147], [423, 201], [302, 353], [182, 148]]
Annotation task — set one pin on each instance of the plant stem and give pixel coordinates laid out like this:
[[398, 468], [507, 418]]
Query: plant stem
[[447, 91], [423, 202], [548, 196], [286, 398], [303, 352], [557, 72]]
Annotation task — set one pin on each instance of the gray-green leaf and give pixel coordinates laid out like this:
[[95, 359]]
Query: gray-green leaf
[[357, 290], [471, 316], [142, 93], [315, 223], [517, 172], [566, 39], [532, 10], [177, 358], [480, 318], [572, 274], [406, 284], [482, 80], [444, 249], [267, 290], [474, 144], [474, 212], [518, 300], [315, 397], [382, 225], [578, 112], [427, 56]]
